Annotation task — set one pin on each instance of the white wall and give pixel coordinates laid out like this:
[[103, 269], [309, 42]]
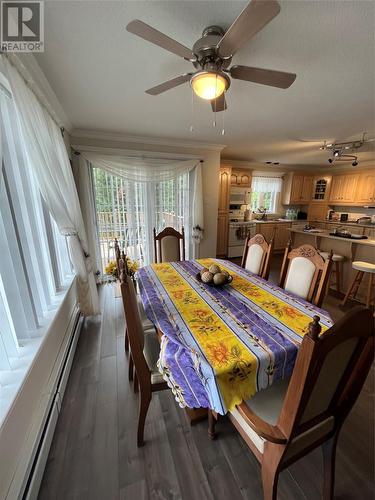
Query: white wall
[[210, 175], [22, 427]]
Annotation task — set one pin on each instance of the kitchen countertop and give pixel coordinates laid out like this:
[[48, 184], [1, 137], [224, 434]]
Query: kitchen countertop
[[325, 234], [278, 221], [347, 223]]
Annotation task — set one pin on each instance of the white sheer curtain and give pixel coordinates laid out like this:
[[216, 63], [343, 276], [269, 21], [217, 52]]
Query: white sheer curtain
[[47, 157], [146, 181], [265, 184]]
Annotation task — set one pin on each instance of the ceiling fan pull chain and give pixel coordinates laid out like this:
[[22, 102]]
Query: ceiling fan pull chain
[[192, 111], [214, 124], [223, 129]]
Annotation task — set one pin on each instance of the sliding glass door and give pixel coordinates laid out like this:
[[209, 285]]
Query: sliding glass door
[[129, 211]]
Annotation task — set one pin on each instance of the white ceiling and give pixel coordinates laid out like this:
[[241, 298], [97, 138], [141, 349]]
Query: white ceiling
[[99, 72]]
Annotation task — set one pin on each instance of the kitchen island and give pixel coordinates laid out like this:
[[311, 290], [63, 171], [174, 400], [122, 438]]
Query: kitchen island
[[351, 249]]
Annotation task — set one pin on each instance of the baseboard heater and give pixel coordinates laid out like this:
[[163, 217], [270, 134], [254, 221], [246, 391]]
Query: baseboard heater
[[40, 459]]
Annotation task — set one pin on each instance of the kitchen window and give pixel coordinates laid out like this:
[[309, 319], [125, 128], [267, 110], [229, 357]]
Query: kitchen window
[[265, 193]]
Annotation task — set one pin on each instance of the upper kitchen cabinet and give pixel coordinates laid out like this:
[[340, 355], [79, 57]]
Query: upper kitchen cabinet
[[366, 188], [297, 188], [321, 188], [343, 189], [224, 185], [241, 178]]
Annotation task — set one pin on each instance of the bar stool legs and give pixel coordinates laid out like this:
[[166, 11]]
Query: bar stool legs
[[362, 268], [353, 289]]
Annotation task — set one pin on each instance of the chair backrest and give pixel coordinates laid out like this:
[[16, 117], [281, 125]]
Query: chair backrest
[[328, 376], [256, 256], [167, 245], [133, 323], [305, 273]]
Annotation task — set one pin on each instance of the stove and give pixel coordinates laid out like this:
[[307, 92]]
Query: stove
[[238, 231]]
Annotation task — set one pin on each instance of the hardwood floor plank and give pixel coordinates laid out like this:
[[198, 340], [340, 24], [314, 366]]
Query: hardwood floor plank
[[94, 453]]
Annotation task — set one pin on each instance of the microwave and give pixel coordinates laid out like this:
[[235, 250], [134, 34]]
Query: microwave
[[239, 196]]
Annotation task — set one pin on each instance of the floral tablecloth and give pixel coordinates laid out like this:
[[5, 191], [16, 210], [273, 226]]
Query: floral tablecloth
[[222, 345]]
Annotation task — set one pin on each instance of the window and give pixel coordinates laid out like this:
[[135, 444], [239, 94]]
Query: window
[[265, 192], [129, 211], [34, 266]]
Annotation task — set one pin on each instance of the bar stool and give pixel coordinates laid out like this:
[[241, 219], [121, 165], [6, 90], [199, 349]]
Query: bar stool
[[361, 268], [336, 259]]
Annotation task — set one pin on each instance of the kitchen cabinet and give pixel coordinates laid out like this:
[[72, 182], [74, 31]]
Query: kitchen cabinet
[[240, 178], [366, 188], [279, 232], [282, 235], [223, 211], [222, 235], [224, 185], [321, 189], [317, 211], [343, 189], [370, 232], [267, 230], [297, 188]]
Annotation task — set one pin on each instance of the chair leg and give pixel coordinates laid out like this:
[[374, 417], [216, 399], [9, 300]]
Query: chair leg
[[338, 276], [270, 476], [126, 340], [211, 425], [136, 385], [130, 369], [369, 291], [143, 408], [329, 459], [353, 289]]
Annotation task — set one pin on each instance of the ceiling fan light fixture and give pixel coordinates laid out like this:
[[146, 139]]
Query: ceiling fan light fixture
[[209, 85]]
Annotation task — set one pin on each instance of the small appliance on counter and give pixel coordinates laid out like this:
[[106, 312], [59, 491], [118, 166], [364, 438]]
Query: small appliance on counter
[[364, 220], [301, 215], [344, 217]]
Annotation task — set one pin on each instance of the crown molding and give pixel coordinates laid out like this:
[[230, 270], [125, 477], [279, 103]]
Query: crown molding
[[147, 140]]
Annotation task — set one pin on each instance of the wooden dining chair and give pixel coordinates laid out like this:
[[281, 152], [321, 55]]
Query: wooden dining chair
[[305, 273], [257, 254], [147, 325], [117, 255], [169, 245], [283, 423], [145, 350]]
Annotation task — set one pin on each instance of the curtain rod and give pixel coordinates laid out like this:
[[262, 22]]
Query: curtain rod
[[135, 153], [24, 74]]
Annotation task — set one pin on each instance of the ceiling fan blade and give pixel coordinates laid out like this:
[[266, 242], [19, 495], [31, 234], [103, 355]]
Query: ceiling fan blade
[[219, 104], [263, 76], [152, 35], [252, 19], [169, 84]]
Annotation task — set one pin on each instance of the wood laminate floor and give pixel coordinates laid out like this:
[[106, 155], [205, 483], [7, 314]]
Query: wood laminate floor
[[94, 453]]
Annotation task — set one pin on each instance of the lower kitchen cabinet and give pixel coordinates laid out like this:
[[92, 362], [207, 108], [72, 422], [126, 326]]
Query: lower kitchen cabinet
[[370, 232], [222, 234], [267, 230], [282, 235], [278, 231]]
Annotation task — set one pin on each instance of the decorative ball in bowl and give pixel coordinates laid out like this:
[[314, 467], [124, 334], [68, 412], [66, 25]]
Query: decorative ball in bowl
[[214, 276]]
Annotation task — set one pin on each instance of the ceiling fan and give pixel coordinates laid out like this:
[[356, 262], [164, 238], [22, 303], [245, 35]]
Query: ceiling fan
[[212, 54]]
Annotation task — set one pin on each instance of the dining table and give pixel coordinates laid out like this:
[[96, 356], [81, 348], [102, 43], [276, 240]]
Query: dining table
[[222, 344]]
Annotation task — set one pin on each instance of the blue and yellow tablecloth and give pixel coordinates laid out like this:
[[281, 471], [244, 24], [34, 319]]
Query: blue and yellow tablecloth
[[222, 345]]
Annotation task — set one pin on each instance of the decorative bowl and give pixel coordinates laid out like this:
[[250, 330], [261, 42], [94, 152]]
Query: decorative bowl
[[228, 281]]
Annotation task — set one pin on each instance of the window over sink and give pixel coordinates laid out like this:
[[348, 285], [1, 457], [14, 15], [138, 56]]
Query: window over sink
[[265, 192]]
